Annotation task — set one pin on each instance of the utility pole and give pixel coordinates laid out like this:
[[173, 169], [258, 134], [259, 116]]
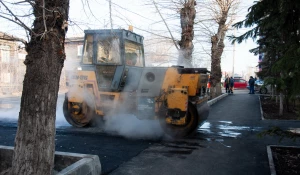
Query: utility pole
[[233, 57], [154, 3], [111, 23]]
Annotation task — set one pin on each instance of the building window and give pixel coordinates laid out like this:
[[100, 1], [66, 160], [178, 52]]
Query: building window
[[5, 53], [79, 50]]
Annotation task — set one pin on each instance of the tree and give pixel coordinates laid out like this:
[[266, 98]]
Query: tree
[[276, 28], [223, 14], [187, 17], [187, 12], [35, 138]]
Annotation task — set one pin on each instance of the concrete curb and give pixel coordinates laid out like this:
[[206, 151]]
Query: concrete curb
[[212, 101], [270, 156], [271, 162], [263, 118], [261, 111], [88, 164], [83, 164]]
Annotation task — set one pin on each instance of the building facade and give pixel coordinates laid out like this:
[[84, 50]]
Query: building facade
[[12, 69], [73, 50]]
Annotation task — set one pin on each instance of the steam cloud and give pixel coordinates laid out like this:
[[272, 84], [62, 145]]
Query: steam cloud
[[60, 119], [129, 126], [184, 62], [9, 113]]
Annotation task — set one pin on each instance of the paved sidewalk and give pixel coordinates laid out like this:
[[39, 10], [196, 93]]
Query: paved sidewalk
[[226, 144]]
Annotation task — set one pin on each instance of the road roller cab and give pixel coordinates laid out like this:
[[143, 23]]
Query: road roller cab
[[112, 78]]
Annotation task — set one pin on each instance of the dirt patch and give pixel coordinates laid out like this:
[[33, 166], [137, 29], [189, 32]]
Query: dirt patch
[[271, 110], [286, 159]]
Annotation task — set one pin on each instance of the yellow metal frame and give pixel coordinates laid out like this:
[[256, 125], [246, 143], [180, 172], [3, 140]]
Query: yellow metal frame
[[78, 85]]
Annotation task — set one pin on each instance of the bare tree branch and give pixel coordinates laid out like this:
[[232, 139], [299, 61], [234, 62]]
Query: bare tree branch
[[44, 19], [7, 37], [31, 2], [16, 18], [166, 25]]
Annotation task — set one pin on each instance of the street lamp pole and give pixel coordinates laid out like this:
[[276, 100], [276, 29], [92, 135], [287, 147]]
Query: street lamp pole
[[111, 22], [233, 59]]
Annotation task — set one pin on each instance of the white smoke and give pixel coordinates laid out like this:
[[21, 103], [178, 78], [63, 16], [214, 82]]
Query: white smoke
[[129, 126], [60, 119], [9, 114], [184, 62]]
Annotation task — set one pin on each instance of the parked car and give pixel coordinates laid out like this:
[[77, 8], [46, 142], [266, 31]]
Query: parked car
[[240, 83], [260, 87]]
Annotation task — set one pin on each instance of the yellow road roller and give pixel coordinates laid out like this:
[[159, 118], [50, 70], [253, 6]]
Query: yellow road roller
[[112, 78]]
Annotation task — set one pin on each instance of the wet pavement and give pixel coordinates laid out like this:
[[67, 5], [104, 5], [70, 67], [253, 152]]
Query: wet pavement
[[226, 144]]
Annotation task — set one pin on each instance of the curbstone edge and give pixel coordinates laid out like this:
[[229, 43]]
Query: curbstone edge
[[212, 101]]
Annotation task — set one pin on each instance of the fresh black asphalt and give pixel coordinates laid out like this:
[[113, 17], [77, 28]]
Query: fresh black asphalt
[[112, 150]]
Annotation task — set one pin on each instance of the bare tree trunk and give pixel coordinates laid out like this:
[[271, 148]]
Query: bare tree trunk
[[34, 142], [221, 11], [287, 102], [272, 91], [187, 17], [281, 104], [217, 47]]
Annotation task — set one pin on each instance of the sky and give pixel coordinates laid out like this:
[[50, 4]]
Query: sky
[[242, 57], [142, 15]]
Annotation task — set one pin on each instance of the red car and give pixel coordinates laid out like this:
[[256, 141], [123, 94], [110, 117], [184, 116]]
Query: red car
[[240, 83]]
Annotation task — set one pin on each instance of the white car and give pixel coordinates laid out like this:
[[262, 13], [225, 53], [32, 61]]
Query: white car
[[259, 86]]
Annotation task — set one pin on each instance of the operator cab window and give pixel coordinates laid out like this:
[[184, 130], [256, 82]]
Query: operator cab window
[[88, 50], [133, 54], [108, 51]]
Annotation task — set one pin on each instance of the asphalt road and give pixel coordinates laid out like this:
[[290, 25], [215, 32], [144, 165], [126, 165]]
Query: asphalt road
[[113, 146], [226, 144], [112, 150]]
